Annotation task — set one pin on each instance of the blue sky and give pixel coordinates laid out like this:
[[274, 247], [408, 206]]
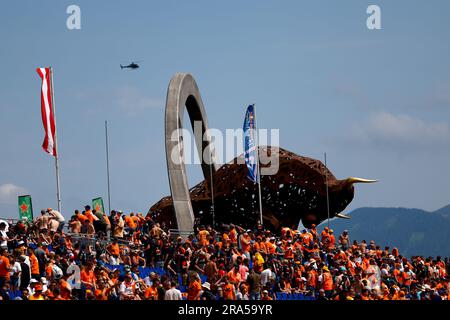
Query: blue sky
[[378, 102]]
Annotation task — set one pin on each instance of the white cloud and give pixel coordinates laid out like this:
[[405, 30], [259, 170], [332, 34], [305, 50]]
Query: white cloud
[[132, 101], [9, 192], [390, 129]]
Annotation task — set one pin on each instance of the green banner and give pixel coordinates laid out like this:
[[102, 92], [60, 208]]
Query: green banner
[[97, 204], [25, 208]]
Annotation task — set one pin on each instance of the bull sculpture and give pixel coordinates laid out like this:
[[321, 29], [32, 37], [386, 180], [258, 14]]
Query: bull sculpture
[[297, 192]]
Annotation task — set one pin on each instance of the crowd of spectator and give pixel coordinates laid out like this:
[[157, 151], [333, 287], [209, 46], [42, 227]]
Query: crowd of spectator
[[120, 256]]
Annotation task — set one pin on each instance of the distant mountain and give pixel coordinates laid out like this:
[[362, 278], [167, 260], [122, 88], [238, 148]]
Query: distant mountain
[[445, 212], [412, 231]]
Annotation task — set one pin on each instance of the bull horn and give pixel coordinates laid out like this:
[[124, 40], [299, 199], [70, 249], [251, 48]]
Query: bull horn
[[353, 180], [342, 216]]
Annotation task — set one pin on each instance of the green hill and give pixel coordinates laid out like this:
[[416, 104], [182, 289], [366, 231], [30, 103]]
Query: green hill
[[412, 231]]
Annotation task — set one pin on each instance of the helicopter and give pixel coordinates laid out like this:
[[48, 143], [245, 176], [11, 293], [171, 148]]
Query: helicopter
[[132, 65]]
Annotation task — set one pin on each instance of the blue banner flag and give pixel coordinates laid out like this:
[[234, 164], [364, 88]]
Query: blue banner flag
[[250, 154]]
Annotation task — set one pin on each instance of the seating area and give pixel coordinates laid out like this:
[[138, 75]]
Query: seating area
[[293, 296], [145, 271]]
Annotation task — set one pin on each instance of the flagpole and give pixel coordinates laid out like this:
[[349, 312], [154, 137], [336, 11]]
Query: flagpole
[[212, 187], [258, 168], [58, 191], [326, 187], [107, 166]]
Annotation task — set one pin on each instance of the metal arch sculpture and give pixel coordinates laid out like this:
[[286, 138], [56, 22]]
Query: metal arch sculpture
[[183, 93]]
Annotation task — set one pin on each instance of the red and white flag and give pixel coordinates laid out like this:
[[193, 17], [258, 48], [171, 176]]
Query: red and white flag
[[48, 119]]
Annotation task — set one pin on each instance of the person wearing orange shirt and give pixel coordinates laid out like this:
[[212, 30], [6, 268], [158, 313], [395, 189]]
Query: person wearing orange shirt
[[65, 288], [365, 263], [194, 288], [327, 282], [289, 253], [135, 219], [341, 256], [256, 247], [406, 276], [151, 293], [271, 246], [99, 295], [397, 274], [285, 231], [351, 265], [261, 245], [311, 280], [89, 215], [225, 237], [324, 237], [286, 285], [365, 295], [233, 234], [34, 264], [114, 249], [202, 236], [5, 267], [378, 252], [80, 216], [129, 223], [228, 290], [306, 237], [49, 270], [37, 293], [234, 276], [88, 276]]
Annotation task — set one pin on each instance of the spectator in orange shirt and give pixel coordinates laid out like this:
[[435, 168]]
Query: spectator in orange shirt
[[89, 215], [34, 264], [151, 293], [325, 237], [202, 236], [37, 293], [88, 276], [195, 288], [233, 234], [135, 219], [5, 267], [130, 224], [234, 276], [327, 282], [229, 290]]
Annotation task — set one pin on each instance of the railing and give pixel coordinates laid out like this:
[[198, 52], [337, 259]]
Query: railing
[[10, 221], [175, 233], [76, 236]]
